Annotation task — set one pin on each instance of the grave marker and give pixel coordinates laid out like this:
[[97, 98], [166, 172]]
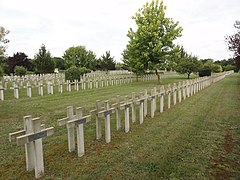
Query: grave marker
[[169, 96], [162, 92], [31, 137], [98, 121], [78, 122], [63, 121], [107, 113], [1, 93]]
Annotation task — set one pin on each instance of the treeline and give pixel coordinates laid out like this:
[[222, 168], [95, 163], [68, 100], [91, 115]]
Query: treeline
[[75, 61]]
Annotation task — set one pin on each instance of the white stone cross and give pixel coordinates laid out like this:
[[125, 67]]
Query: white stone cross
[[1, 93], [162, 92], [169, 96], [153, 98], [145, 102], [179, 92], [107, 113], [31, 137], [78, 123], [98, 121], [141, 113], [126, 106], [63, 121], [118, 112], [174, 89]]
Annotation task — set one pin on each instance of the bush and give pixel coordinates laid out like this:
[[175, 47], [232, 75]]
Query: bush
[[204, 72], [20, 71], [84, 70], [72, 73], [230, 67], [217, 68]]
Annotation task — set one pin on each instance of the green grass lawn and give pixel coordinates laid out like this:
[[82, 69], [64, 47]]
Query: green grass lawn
[[198, 138]]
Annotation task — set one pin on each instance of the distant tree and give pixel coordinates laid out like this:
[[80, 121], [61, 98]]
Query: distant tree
[[19, 59], [43, 61], [152, 44], [3, 40], [107, 62], [80, 57], [121, 66], [230, 67], [233, 42], [60, 63], [188, 65], [20, 71], [217, 68], [74, 73]]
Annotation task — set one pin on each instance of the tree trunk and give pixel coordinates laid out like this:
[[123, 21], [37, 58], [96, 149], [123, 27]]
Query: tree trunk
[[188, 75], [137, 78], [158, 76]]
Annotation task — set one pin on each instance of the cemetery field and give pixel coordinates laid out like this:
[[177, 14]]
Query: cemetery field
[[198, 138]]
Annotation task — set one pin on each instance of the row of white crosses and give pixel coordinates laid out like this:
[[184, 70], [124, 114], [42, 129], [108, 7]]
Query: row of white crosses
[[33, 132], [89, 84], [31, 79]]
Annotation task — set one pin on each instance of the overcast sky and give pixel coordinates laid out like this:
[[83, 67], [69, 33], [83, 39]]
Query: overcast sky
[[102, 25]]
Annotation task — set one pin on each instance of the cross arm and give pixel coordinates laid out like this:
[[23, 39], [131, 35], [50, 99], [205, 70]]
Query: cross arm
[[21, 140]]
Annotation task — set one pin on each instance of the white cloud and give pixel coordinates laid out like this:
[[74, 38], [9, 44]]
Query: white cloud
[[103, 25]]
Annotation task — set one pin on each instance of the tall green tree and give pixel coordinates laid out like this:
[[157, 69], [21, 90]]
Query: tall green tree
[[151, 45], [60, 63], [79, 56], [107, 62], [43, 61]]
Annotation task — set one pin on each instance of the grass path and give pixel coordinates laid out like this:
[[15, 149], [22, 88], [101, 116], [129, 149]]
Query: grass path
[[198, 138]]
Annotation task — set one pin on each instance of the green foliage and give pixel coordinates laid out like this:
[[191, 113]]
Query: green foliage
[[84, 70], [3, 41], [121, 66], [229, 68], [151, 45], [20, 71], [60, 63], [74, 72], [1, 71], [106, 62], [19, 59], [187, 64], [217, 68], [80, 57], [204, 72], [43, 61]]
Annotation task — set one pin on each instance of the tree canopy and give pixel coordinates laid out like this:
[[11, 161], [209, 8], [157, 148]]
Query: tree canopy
[[106, 62], [19, 59], [151, 45], [233, 42], [43, 61], [79, 56], [187, 63]]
